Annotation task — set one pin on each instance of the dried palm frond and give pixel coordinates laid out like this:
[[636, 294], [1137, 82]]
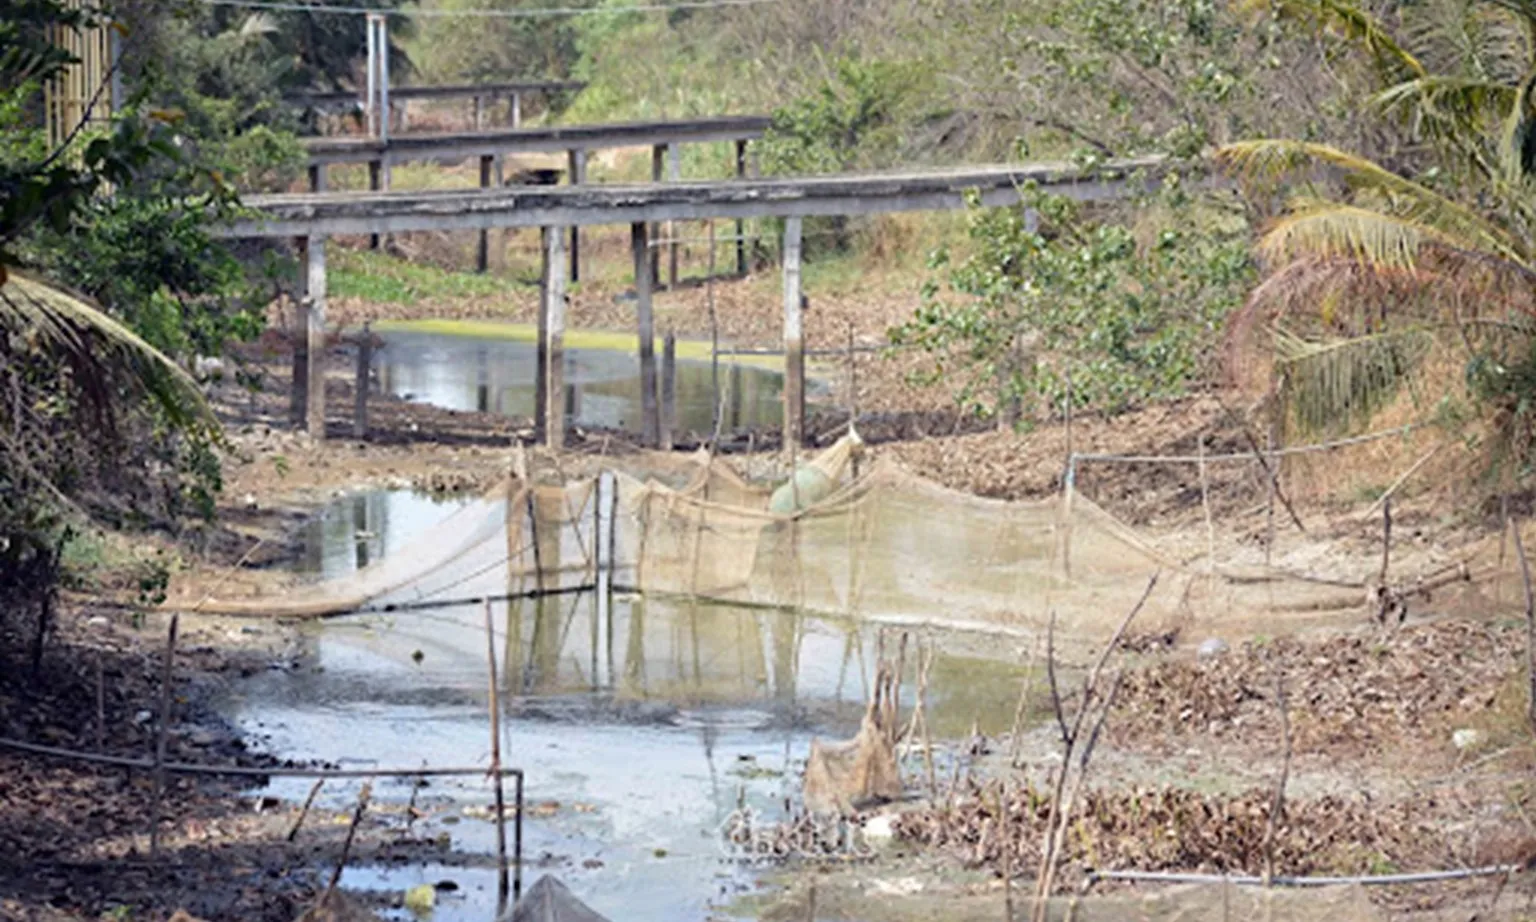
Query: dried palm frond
[[1430, 214], [103, 356], [1335, 385]]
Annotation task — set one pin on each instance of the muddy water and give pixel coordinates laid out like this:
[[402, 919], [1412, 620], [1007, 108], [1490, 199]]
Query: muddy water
[[641, 725], [602, 386]]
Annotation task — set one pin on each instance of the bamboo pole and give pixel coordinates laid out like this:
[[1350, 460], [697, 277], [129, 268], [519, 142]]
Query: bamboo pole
[[501, 801], [160, 732]]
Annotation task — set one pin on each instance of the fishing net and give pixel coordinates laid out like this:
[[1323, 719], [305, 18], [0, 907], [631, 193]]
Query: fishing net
[[879, 542]]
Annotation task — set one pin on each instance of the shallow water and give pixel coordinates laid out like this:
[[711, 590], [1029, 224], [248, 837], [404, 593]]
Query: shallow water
[[602, 386], [647, 722]]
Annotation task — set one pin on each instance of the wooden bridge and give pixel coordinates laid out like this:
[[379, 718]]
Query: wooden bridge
[[312, 218], [513, 92], [575, 141]]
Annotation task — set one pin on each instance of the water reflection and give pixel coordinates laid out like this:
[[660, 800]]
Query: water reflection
[[602, 386]]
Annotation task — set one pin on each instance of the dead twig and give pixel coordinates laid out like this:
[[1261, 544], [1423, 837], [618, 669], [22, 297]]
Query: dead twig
[[1050, 675], [346, 847], [1063, 799]]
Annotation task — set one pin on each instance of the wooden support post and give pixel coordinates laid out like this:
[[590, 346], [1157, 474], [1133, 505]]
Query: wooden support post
[[577, 162], [479, 113], [360, 398], [741, 226], [552, 338], [314, 330], [641, 251], [674, 174], [668, 390], [794, 345], [515, 111], [483, 250], [375, 183], [658, 159], [299, 338], [317, 177]]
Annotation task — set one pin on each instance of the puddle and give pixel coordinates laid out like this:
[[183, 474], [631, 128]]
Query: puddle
[[640, 723], [497, 375]]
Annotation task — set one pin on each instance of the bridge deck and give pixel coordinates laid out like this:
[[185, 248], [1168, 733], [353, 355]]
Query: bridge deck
[[553, 139], [303, 215]]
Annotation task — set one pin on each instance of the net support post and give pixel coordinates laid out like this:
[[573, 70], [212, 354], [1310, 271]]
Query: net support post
[[794, 343], [479, 112], [313, 311], [576, 162], [639, 241], [552, 338]]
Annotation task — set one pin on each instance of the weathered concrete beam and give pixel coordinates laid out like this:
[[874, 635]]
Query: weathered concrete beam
[[455, 146], [299, 215]]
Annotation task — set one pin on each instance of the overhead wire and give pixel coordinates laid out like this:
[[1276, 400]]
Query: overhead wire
[[526, 13]]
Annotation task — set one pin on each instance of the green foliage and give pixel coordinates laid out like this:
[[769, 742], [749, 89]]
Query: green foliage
[[847, 122], [1131, 312], [376, 276], [498, 48]]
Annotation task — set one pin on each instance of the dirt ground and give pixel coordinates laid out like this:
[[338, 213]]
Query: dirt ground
[[1409, 748]]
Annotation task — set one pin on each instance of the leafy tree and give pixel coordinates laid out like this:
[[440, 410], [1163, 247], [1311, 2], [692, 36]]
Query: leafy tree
[[1121, 308], [1383, 278]]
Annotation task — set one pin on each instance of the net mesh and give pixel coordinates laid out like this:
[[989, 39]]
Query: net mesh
[[885, 544]]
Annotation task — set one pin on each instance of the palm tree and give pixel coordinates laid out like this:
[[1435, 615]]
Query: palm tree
[[1378, 279], [100, 366]]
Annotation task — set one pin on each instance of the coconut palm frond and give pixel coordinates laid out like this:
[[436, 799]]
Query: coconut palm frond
[[100, 350], [258, 24], [1448, 105], [1372, 240], [1268, 161], [1359, 25], [1517, 140], [1337, 385]]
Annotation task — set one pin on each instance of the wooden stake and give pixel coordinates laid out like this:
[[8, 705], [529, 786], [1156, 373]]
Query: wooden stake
[[1386, 539], [160, 732], [101, 707], [304, 812], [1530, 628], [346, 848], [1285, 771], [1205, 503], [668, 390], [501, 800]]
